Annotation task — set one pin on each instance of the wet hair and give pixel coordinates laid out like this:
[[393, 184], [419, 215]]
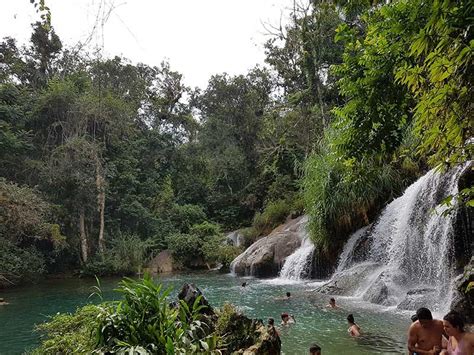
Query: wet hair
[[288, 294], [414, 318], [350, 318], [271, 321], [284, 315], [424, 314], [332, 299], [456, 320], [314, 348]]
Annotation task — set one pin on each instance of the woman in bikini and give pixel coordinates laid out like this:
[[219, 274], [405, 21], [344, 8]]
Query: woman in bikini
[[459, 342]]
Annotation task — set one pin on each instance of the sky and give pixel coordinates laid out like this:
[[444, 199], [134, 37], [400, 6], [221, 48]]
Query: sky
[[199, 38]]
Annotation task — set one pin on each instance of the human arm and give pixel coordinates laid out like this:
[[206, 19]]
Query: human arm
[[412, 343]]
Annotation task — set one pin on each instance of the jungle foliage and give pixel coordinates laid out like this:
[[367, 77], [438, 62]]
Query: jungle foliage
[[358, 99]]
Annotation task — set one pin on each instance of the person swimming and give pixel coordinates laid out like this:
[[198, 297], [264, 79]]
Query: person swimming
[[287, 319], [332, 304], [315, 349], [354, 329]]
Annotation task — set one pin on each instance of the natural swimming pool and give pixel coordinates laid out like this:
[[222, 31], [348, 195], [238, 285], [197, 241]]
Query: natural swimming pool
[[385, 330]]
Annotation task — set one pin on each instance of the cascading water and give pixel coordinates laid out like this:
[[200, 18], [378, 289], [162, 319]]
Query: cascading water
[[298, 265], [408, 258]]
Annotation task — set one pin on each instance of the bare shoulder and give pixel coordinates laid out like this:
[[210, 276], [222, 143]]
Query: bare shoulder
[[469, 337], [415, 326]]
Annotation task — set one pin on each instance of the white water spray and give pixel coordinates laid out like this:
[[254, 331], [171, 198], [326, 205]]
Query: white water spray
[[409, 262], [298, 265]]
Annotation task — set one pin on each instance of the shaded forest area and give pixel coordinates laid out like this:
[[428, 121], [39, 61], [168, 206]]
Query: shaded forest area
[[104, 163]]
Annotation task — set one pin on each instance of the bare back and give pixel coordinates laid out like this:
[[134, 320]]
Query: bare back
[[425, 338]]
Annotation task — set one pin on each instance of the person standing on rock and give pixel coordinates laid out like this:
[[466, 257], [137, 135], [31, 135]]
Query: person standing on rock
[[425, 336], [459, 342]]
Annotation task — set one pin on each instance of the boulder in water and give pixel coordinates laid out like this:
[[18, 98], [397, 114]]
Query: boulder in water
[[189, 293], [162, 263], [265, 257]]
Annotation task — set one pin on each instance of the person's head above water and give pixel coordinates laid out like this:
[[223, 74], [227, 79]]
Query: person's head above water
[[288, 294], [424, 316], [414, 318], [332, 301], [350, 319], [285, 316], [315, 349], [244, 284], [453, 323], [271, 321]]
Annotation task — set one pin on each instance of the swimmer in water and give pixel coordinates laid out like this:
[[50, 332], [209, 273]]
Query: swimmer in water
[[354, 329]]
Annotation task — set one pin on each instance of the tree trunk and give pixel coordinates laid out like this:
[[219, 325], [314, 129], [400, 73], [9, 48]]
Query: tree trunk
[[83, 235], [100, 183]]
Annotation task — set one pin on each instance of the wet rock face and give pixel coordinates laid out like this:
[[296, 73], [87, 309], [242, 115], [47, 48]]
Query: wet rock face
[[417, 298], [464, 297], [266, 256]]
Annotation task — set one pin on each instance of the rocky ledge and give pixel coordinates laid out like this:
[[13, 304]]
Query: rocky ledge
[[266, 256]]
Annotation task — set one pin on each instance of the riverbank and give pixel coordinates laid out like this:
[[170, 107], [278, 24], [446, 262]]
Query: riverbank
[[315, 323]]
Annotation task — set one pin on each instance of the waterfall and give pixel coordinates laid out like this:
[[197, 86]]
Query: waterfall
[[298, 265], [408, 261]]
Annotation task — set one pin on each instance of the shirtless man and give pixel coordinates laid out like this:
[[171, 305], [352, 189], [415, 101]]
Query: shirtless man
[[425, 335]]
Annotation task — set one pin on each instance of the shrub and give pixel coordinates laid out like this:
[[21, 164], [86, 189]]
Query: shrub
[[340, 195], [145, 319], [142, 322], [18, 265], [185, 247], [185, 216], [70, 333], [126, 255]]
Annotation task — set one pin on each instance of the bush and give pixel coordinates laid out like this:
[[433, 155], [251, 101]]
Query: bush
[[341, 195], [142, 322], [18, 265], [126, 255], [145, 319], [185, 247], [184, 217], [70, 333]]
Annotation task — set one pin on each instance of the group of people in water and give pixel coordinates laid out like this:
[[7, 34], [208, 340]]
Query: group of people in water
[[426, 335]]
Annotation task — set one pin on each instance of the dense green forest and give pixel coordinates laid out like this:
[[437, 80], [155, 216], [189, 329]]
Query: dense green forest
[[104, 163]]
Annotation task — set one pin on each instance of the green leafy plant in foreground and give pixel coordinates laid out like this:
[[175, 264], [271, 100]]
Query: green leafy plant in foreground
[[143, 322], [145, 319]]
